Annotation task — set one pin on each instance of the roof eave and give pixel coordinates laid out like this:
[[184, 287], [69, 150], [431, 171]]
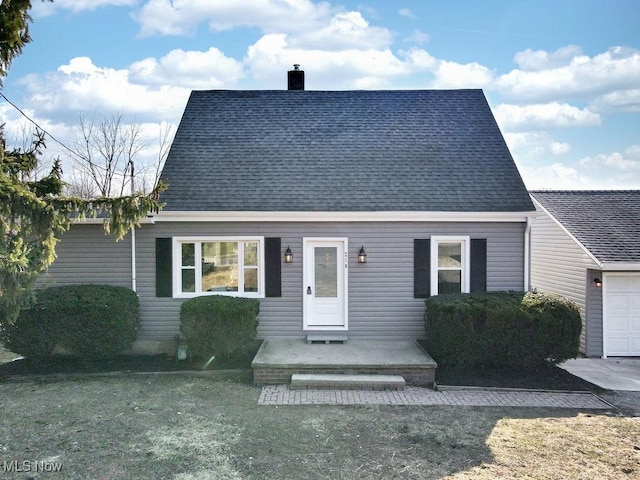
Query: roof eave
[[328, 216]]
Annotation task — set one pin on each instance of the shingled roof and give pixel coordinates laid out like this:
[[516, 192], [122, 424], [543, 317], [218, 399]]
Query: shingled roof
[[421, 150], [607, 223]]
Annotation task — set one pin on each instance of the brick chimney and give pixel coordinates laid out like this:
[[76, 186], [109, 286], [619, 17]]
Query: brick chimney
[[295, 78]]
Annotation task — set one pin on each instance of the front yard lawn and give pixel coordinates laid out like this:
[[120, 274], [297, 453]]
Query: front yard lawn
[[187, 428]]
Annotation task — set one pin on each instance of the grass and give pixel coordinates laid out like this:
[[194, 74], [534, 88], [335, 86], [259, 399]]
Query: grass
[[186, 428]]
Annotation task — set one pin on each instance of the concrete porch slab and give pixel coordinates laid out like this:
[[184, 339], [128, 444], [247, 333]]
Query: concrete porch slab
[[277, 360]]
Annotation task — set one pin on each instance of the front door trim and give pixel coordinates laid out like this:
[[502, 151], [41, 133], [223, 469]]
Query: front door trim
[[308, 244]]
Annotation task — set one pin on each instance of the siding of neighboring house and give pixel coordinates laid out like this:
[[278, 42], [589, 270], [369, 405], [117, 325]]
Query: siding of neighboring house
[[559, 265], [381, 293], [594, 333], [86, 255]]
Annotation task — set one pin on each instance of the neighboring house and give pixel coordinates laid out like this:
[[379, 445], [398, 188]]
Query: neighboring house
[[421, 182], [585, 245]]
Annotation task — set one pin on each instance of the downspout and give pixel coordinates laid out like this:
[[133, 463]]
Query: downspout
[[133, 259], [134, 285], [527, 254]]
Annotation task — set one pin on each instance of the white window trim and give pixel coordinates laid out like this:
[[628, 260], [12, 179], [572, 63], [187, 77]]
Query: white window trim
[[466, 256], [177, 266]]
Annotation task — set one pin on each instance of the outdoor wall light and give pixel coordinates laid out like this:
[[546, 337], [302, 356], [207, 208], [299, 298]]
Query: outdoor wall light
[[597, 282], [362, 255], [288, 255]]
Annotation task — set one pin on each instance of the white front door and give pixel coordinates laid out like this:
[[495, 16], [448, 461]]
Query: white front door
[[621, 314], [325, 283]]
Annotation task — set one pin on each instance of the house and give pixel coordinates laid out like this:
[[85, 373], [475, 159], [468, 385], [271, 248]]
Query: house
[[585, 245], [340, 210]]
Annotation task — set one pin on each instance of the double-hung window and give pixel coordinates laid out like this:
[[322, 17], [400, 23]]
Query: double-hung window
[[449, 264], [219, 266]]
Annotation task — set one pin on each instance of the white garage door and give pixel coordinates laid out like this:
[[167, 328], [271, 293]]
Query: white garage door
[[621, 314]]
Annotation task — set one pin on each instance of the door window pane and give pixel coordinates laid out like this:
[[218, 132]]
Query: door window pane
[[326, 272]]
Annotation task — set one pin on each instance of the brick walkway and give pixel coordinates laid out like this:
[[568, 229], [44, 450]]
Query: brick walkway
[[282, 395]]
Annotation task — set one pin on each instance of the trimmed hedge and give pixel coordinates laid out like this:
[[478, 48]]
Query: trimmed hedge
[[30, 335], [502, 329], [219, 325], [96, 321]]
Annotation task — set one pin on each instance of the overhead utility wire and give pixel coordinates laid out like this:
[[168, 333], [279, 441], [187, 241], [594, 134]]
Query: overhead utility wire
[[38, 126]]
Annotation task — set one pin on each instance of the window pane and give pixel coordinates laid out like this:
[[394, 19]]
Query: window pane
[[251, 253], [220, 266], [250, 279], [326, 260], [449, 281], [450, 255], [188, 255], [188, 280]]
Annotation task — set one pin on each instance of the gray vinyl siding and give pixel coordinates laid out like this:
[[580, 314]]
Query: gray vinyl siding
[[86, 255], [381, 303], [559, 265]]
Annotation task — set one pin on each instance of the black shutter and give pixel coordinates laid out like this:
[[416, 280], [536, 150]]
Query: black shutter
[[273, 266], [164, 276], [478, 265], [421, 268]]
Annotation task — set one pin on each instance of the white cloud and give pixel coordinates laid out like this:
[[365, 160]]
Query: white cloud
[[627, 161], [270, 56], [457, 75], [44, 9], [605, 171], [406, 12], [514, 118], [82, 86], [181, 17], [192, 69], [559, 148], [619, 101], [417, 36], [347, 30], [535, 145], [556, 176], [531, 61], [556, 76]]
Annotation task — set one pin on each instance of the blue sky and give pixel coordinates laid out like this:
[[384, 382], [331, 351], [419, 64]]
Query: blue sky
[[562, 76]]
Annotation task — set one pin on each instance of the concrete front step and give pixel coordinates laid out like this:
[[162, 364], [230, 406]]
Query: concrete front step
[[347, 382]]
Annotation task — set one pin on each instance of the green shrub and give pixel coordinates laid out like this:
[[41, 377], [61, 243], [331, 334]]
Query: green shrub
[[503, 329], [30, 335], [96, 321], [219, 325]]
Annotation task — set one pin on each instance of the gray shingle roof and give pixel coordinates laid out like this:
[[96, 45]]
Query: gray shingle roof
[[426, 150], [607, 223]]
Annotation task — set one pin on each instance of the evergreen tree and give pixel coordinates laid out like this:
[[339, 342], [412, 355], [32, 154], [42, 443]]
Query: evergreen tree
[[34, 213]]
